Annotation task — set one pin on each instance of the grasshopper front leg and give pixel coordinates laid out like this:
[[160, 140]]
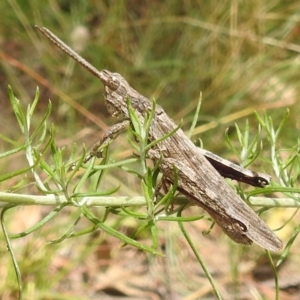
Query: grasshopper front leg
[[108, 137]]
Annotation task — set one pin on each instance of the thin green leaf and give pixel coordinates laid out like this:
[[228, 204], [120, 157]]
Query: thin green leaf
[[138, 231], [85, 176], [288, 246], [150, 145], [53, 175], [20, 116], [149, 118], [74, 167], [274, 273], [42, 126], [95, 194], [7, 139], [154, 234], [282, 123], [13, 151], [232, 148], [196, 115], [35, 101], [83, 231], [134, 214], [199, 259], [18, 172], [41, 223], [68, 233], [179, 219], [50, 140], [125, 239], [11, 251], [133, 117], [116, 164], [239, 134], [148, 198]]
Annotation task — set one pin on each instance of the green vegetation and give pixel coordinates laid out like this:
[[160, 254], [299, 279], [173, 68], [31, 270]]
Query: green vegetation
[[242, 57]]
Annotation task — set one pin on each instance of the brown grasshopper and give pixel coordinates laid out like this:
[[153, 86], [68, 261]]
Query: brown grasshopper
[[197, 179]]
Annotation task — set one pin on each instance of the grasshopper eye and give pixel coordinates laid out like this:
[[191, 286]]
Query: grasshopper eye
[[113, 83]]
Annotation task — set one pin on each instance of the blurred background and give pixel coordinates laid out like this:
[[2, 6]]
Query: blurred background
[[242, 56]]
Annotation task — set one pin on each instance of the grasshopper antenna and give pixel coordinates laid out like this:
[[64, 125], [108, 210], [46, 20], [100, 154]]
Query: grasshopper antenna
[[61, 45]]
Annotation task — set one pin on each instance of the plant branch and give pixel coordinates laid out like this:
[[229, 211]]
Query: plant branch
[[51, 199]]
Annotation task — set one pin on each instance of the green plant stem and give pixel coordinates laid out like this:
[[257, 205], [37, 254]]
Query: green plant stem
[[274, 273], [201, 262], [50, 199], [10, 249]]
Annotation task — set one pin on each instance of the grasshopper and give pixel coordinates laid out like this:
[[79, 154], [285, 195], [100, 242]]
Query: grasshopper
[[197, 179]]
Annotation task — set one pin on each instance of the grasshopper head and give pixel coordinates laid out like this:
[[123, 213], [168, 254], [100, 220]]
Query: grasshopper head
[[116, 90]]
